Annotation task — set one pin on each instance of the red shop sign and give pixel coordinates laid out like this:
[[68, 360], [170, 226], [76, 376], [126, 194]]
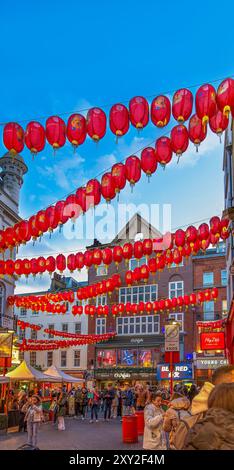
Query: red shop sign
[[212, 341]]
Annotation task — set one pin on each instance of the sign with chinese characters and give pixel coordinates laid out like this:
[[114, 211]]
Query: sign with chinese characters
[[181, 371], [211, 362], [172, 338], [212, 341]]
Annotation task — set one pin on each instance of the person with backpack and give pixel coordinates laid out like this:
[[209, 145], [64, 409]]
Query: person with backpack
[[216, 430], [33, 417], [178, 409], [154, 435], [94, 404]]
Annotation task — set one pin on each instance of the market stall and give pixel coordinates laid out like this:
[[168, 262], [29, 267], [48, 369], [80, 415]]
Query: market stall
[[61, 376]]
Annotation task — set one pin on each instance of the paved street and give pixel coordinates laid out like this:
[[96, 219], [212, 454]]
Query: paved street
[[79, 435]]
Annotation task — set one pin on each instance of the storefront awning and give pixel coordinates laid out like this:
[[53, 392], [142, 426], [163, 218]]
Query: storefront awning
[[25, 372]]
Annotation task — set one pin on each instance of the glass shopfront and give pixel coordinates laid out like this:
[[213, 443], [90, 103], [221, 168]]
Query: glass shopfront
[[130, 357]]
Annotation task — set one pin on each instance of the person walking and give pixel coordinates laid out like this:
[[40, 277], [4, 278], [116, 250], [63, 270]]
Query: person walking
[[141, 397], [127, 400], [108, 397], [78, 402], [154, 435], [84, 402], [33, 417], [23, 406], [62, 408], [94, 403], [114, 404], [216, 430]]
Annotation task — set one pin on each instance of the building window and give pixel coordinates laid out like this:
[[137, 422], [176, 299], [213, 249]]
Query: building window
[[2, 299], [21, 356], [23, 312], [142, 325], [224, 277], [101, 270], [50, 327], [21, 334], [176, 288], [134, 263], [208, 279], [78, 328], [224, 308], [179, 318], [49, 358], [33, 334], [35, 312], [63, 358], [33, 358], [208, 310], [174, 265], [77, 358], [138, 294], [101, 300], [65, 327], [100, 326]]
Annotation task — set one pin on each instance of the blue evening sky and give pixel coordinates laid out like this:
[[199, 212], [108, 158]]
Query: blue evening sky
[[59, 57]]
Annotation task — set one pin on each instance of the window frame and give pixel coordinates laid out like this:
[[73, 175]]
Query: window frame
[[61, 358], [49, 363], [135, 263], [132, 294], [100, 326], [206, 316], [138, 325], [175, 316], [176, 289], [74, 357], [208, 284]]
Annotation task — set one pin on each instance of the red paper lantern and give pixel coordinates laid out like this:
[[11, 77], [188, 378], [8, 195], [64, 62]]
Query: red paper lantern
[[22, 231], [138, 249], [148, 307], [42, 222], [50, 264], [61, 263], [155, 306], [139, 112], [144, 272], [56, 131], [107, 256], [33, 227], [197, 131], [224, 229], [9, 267], [134, 309], [35, 137], [160, 111], [18, 268], [191, 235], [148, 161], [81, 198], [88, 258], [180, 238], [119, 176], [214, 293], [41, 262], [76, 129], [203, 232], [215, 226], [152, 265], [51, 218], [107, 187], [137, 274], [147, 247], [105, 310], [182, 104], [99, 310], [60, 213], [163, 150], [168, 258], [192, 299], [26, 267], [13, 137], [93, 193], [119, 119], [161, 304], [114, 310], [179, 139], [129, 278], [72, 210], [127, 251], [225, 96], [116, 280], [79, 261], [141, 307], [207, 295], [177, 258], [96, 124], [186, 250], [10, 237], [133, 169], [71, 262], [205, 102], [218, 123], [168, 304], [117, 254], [97, 257]]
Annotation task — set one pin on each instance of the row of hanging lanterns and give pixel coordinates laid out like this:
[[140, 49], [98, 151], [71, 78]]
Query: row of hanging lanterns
[[174, 246], [23, 325], [48, 345], [100, 288], [209, 105]]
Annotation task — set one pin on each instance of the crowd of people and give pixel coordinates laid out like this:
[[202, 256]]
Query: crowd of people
[[190, 418]]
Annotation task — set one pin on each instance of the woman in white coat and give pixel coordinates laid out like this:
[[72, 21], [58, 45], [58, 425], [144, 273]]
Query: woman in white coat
[[154, 436]]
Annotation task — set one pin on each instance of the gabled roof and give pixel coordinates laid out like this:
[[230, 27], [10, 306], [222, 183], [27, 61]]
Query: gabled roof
[[53, 371], [26, 372], [137, 224]]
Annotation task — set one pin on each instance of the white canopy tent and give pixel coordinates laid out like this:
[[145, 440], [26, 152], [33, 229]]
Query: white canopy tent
[[61, 376], [25, 372]]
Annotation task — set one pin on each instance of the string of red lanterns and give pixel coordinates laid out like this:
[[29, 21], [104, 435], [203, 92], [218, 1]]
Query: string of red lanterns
[[23, 325], [104, 287], [37, 304], [48, 345], [172, 247], [211, 324], [209, 105]]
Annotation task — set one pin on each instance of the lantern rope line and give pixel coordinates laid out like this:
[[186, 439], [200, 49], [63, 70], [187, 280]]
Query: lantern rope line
[[108, 105]]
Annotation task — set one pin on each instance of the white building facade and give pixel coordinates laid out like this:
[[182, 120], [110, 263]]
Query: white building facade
[[11, 180]]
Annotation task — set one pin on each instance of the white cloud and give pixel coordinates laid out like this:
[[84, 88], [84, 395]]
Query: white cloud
[[61, 172]]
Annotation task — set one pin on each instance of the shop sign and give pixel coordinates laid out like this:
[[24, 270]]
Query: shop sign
[[6, 345], [181, 371], [137, 340], [212, 341], [122, 375], [211, 362], [172, 338]]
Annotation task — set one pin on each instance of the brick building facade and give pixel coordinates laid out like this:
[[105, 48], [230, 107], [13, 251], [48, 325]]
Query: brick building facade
[[138, 348]]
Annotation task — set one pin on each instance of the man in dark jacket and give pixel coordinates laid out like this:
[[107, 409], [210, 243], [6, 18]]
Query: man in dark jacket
[[128, 401], [108, 397]]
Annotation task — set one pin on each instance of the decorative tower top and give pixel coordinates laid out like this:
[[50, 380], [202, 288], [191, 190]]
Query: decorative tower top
[[13, 170]]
